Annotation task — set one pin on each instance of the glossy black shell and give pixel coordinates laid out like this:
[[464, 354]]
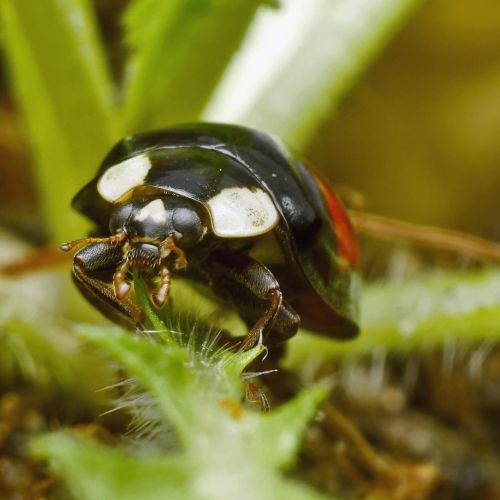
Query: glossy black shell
[[199, 160]]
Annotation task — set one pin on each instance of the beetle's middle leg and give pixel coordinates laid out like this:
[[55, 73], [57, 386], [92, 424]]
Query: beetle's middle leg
[[98, 258], [255, 293]]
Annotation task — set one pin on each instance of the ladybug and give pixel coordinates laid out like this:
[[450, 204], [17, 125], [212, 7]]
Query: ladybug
[[228, 207]]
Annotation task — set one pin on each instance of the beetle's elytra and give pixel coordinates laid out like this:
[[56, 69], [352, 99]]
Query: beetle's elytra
[[229, 207]]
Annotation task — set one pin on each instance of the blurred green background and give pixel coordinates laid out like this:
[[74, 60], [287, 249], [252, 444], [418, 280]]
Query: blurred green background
[[420, 134]]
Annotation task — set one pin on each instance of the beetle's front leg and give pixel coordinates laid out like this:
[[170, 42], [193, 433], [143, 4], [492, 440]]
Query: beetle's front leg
[[255, 293], [94, 259]]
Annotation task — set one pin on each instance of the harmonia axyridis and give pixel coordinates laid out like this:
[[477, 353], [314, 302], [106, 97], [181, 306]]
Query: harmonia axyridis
[[229, 207]]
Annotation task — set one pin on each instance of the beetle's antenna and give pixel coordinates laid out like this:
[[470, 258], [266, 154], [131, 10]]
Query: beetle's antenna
[[115, 239]]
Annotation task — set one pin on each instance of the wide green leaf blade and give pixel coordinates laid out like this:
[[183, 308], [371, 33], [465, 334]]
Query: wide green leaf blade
[[178, 49], [298, 62], [63, 90]]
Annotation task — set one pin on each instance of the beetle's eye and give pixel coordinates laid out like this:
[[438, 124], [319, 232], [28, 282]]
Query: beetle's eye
[[120, 217], [188, 223]]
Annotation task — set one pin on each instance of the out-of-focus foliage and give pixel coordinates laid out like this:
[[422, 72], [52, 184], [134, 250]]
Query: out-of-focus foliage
[[62, 87], [418, 134], [296, 85], [178, 53], [36, 350], [424, 313]]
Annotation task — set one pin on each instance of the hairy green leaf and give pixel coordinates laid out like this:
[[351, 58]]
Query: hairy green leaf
[[178, 378], [223, 449], [63, 90]]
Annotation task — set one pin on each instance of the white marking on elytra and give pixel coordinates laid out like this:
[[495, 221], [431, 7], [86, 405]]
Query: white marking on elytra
[[154, 210], [241, 212], [123, 177]]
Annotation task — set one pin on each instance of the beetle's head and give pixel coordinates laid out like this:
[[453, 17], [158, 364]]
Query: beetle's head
[[153, 220], [155, 232]]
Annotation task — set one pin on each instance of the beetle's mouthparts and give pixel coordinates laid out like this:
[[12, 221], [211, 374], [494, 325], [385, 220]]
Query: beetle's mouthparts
[[153, 260], [144, 256], [169, 246]]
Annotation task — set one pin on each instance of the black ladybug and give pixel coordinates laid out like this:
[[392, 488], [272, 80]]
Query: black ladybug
[[229, 207]]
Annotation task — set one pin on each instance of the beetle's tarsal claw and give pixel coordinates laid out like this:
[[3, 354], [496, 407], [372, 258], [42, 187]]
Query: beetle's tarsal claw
[[160, 295], [254, 394], [122, 288], [180, 264], [120, 283]]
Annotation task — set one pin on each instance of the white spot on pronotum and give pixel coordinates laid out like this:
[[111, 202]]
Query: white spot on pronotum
[[123, 177], [240, 212], [154, 210]]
